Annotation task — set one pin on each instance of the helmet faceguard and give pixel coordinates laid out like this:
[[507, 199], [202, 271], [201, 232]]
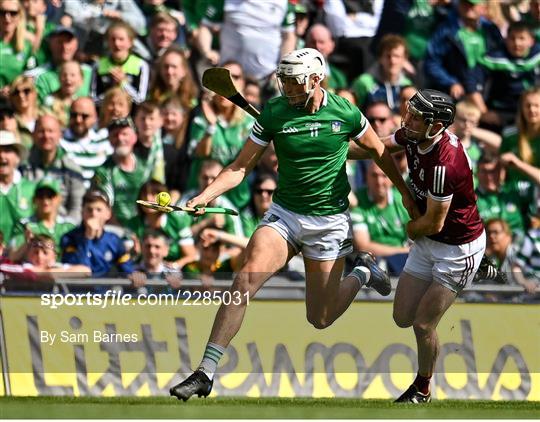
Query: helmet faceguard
[[432, 107], [300, 65]]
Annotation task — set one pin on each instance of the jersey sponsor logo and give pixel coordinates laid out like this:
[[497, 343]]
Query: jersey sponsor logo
[[313, 129], [336, 127], [108, 256], [417, 191], [439, 174], [289, 130]]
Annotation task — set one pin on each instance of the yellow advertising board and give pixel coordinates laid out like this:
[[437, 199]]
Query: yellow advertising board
[[488, 351]]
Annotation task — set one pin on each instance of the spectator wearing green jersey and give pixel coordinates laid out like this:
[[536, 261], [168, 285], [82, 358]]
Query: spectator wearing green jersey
[[47, 158], [385, 78], [520, 148], [504, 74], [23, 98], [84, 144], [176, 226], [218, 132], [500, 247], [63, 45], [15, 48], [38, 28], [379, 220], [45, 220], [495, 199], [120, 67], [16, 192], [320, 38], [123, 174], [149, 146]]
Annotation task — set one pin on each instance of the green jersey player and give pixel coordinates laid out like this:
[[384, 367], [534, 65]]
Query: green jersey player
[[311, 130]]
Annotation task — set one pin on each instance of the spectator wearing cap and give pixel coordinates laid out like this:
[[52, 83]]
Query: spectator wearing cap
[[91, 244], [63, 46], [123, 174], [320, 38], [120, 67], [47, 158], [85, 144], [16, 49], [16, 192], [45, 220], [457, 45]]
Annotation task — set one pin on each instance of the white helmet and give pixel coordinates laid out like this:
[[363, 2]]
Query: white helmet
[[300, 65]]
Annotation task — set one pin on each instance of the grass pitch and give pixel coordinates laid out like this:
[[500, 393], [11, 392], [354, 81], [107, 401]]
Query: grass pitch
[[266, 408]]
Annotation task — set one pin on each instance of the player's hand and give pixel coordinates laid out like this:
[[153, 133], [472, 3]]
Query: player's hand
[[200, 201], [138, 279], [457, 91]]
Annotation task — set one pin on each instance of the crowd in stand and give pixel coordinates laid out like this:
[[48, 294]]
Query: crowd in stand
[[101, 105]]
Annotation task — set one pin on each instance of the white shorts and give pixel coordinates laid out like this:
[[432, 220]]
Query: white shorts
[[322, 238], [453, 266]]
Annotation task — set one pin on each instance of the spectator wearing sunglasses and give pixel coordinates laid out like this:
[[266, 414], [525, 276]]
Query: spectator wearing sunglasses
[[84, 144], [16, 48], [23, 98]]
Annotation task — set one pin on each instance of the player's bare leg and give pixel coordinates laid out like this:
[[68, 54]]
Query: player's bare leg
[[421, 304], [328, 296], [409, 292], [259, 266], [434, 303]]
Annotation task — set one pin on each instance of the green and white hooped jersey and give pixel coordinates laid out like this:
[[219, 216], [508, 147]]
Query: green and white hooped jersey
[[311, 150]]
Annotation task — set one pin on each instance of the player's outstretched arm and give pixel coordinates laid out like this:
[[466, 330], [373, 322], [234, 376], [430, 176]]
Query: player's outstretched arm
[[232, 175], [357, 151], [381, 155], [432, 221]]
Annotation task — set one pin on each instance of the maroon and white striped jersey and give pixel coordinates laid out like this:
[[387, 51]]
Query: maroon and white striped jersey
[[443, 172]]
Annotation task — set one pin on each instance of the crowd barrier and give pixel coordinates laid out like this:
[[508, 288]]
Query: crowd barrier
[[489, 351]]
